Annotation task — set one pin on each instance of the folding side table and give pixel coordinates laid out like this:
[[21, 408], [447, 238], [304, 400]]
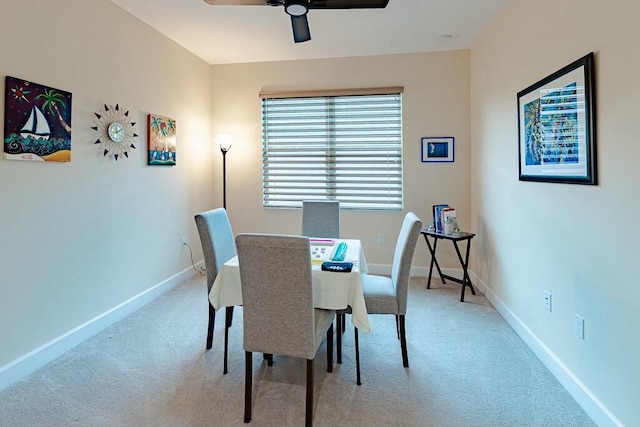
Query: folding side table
[[464, 262]]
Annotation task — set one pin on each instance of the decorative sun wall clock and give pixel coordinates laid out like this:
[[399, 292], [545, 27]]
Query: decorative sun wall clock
[[115, 132]]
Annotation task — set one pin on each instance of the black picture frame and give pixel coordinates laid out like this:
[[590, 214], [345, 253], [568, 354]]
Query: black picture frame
[[437, 149], [557, 126]]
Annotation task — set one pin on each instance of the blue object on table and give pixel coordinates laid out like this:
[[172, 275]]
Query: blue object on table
[[340, 267], [340, 252]]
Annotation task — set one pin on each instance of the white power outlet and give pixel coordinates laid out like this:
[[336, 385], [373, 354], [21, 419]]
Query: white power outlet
[[183, 241], [547, 301], [381, 238], [579, 326]]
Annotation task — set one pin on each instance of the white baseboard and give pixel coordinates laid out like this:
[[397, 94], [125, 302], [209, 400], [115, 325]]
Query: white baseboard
[[576, 388], [600, 414], [37, 358]]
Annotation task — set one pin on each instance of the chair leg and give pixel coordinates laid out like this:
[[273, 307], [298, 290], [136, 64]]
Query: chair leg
[[403, 342], [248, 376], [344, 321], [357, 356], [339, 338], [397, 327], [268, 357], [308, 418], [330, 348], [227, 325], [212, 321]]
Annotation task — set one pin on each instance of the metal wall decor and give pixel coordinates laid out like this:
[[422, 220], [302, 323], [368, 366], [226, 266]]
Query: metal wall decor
[[114, 132]]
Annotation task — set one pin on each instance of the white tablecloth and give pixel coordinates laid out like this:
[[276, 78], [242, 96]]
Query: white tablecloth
[[331, 290]]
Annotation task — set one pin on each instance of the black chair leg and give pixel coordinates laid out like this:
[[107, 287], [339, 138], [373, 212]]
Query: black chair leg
[[308, 418], [230, 313], [397, 326], [212, 321], [357, 343], [227, 325], [268, 357], [248, 377], [339, 338], [330, 348], [403, 342], [344, 321]]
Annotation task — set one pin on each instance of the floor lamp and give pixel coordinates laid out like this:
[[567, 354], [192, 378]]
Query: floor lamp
[[224, 141]]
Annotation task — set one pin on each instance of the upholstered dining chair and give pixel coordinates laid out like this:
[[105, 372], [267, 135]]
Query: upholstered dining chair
[[388, 295], [278, 312], [321, 218], [218, 247]]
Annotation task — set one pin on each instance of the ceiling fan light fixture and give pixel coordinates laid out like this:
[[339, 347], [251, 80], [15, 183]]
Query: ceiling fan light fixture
[[300, 27], [296, 8]]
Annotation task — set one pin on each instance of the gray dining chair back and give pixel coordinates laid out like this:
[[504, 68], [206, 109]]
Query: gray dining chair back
[[402, 259], [278, 312], [321, 218], [218, 247], [388, 295]]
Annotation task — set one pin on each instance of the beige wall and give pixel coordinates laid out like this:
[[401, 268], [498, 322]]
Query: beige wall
[[435, 103], [80, 238], [578, 242]]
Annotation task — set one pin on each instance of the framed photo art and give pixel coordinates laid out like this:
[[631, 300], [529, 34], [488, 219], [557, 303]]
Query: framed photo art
[[556, 126], [437, 149]]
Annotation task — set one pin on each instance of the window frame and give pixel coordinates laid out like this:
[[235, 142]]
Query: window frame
[[348, 126]]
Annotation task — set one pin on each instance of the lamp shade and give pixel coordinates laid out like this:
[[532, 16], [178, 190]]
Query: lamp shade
[[224, 141]]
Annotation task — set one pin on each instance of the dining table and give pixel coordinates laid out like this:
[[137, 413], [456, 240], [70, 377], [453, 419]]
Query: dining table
[[332, 290]]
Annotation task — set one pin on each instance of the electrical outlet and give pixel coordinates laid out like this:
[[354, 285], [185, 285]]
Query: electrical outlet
[[579, 327], [547, 301], [183, 241], [381, 238]]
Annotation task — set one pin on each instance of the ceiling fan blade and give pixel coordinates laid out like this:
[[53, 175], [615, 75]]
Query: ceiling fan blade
[[300, 27], [348, 4], [236, 2]]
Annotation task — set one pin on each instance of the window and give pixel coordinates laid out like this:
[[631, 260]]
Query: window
[[344, 146]]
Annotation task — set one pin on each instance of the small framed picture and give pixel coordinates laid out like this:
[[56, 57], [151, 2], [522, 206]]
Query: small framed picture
[[437, 149]]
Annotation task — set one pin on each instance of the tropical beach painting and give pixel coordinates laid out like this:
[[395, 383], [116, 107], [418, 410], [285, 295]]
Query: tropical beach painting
[[162, 141], [37, 122]]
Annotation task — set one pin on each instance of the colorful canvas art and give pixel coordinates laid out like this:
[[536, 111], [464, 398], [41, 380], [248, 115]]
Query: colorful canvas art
[[37, 122], [162, 141]]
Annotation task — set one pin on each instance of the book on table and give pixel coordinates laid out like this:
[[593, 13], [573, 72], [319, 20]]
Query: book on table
[[437, 217], [449, 220]]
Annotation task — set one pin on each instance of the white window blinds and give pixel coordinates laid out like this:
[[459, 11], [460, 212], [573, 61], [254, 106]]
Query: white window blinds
[[345, 147]]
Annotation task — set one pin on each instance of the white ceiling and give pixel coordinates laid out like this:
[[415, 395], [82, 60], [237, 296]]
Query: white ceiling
[[237, 34]]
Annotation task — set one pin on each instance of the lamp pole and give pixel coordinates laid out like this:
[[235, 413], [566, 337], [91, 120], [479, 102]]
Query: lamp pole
[[224, 141], [224, 176]]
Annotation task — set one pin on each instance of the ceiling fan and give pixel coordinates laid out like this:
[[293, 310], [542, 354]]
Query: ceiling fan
[[298, 9]]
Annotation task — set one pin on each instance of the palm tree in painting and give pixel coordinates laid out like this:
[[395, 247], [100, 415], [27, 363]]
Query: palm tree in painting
[[53, 98], [163, 127]]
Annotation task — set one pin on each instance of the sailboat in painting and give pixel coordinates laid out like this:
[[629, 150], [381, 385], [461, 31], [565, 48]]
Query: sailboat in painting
[[37, 122], [36, 126]]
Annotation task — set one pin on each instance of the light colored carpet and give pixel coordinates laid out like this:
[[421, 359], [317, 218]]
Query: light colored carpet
[[467, 368]]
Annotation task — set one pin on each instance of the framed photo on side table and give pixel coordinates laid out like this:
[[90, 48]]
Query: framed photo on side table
[[437, 149], [556, 126]]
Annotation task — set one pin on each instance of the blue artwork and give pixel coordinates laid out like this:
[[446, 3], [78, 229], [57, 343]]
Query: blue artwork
[[551, 127], [438, 149]]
